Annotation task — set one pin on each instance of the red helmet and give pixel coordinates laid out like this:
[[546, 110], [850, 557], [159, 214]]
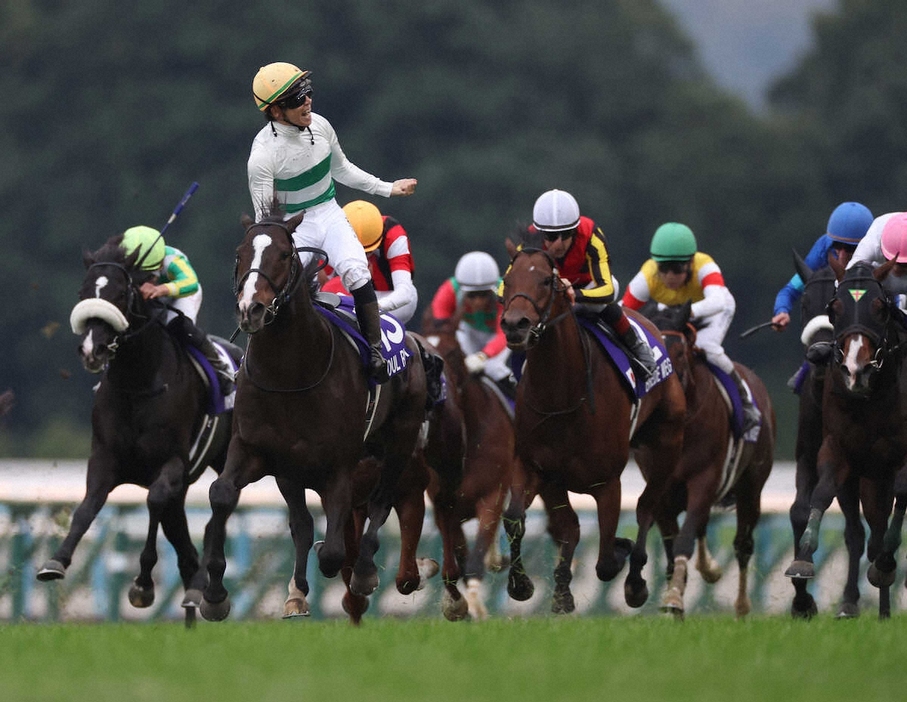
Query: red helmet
[[894, 238]]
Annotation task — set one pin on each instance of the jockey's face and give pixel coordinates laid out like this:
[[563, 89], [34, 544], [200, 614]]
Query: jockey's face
[[298, 116], [558, 243], [674, 274], [478, 301], [844, 252]]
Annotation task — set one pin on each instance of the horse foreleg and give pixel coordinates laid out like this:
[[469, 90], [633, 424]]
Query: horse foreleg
[[302, 531], [95, 497], [410, 508], [855, 540], [488, 511], [612, 553], [749, 510], [354, 604], [563, 526], [822, 496], [519, 584], [803, 605]]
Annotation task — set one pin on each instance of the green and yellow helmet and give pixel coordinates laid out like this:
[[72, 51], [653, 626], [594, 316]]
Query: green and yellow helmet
[[148, 242], [673, 242], [273, 80]]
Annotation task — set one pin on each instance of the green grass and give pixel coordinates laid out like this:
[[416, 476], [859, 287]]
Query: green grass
[[594, 658]]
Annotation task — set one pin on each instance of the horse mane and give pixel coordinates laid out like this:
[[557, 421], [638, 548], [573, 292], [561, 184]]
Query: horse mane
[[111, 251], [273, 213]]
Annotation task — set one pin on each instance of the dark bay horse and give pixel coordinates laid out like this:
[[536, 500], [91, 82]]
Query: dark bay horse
[[714, 463], [303, 415], [864, 415], [819, 289], [575, 426], [148, 408], [487, 471]]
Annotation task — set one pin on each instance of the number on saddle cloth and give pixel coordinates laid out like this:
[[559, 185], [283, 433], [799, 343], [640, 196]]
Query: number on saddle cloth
[[339, 311]]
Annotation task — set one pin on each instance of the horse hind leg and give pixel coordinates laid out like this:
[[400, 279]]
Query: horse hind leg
[[708, 567]]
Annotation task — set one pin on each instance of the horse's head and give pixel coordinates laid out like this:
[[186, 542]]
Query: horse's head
[[533, 292], [108, 300], [267, 270], [861, 314], [818, 289], [678, 333]]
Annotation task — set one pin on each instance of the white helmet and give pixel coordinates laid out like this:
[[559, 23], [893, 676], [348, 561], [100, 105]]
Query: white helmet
[[477, 271], [555, 211]]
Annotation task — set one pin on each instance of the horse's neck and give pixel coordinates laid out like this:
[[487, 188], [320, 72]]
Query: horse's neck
[[558, 363], [297, 333], [138, 360]]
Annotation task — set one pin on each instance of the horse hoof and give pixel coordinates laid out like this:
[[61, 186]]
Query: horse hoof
[[563, 603], [800, 570], [52, 570], [193, 598], [672, 602], [215, 611], [364, 585], [428, 568], [454, 610], [295, 607], [520, 587], [848, 610], [878, 577], [804, 608], [141, 597], [475, 603], [711, 572], [636, 597]]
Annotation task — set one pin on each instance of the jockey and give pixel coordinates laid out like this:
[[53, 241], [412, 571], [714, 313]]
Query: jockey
[[846, 227], [176, 286], [677, 273], [579, 249], [296, 158], [893, 246], [472, 291], [389, 260]]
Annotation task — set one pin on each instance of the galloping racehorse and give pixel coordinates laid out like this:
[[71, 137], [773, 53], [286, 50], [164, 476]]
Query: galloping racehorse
[[864, 414], [809, 383], [717, 461], [305, 413], [576, 421], [148, 408], [487, 470]]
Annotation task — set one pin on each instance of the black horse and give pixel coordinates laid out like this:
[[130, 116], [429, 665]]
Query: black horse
[[864, 425], [150, 411]]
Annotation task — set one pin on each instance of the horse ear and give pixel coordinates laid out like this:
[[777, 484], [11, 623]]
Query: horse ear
[[87, 258], [803, 270], [246, 220], [295, 221], [882, 271], [510, 246]]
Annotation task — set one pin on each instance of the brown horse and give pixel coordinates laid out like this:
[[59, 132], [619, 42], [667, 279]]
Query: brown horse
[[148, 408], [810, 384], [487, 471], [715, 463], [304, 413], [864, 415], [575, 425]]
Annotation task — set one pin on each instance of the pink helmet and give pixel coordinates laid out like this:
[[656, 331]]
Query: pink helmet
[[894, 238]]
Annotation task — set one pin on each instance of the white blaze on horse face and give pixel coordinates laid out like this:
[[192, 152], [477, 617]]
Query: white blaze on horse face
[[259, 244], [851, 361], [100, 284], [87, 347]]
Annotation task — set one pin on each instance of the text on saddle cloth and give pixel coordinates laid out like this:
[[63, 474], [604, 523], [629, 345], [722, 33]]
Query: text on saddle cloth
[[393, 334], [635, 384]]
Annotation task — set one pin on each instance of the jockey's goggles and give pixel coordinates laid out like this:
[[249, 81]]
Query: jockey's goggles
[[554, 236], [675, 267], [301, 91]]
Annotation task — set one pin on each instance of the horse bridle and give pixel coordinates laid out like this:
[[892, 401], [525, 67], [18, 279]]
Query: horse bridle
[[131, 308], [536, 331], [880, 337]]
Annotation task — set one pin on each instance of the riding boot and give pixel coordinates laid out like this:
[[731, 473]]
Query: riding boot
[[640, 350], [366, 304], [185, 329], [507, 385], [751, 414]]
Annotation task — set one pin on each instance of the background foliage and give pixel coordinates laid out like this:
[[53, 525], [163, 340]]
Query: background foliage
[[110, 114]]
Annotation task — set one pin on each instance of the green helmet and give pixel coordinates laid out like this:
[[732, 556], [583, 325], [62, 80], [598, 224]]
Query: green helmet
[[673, 242], [149, 241]]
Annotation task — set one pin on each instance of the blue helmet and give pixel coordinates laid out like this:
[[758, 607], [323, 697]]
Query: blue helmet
[[849, 222]]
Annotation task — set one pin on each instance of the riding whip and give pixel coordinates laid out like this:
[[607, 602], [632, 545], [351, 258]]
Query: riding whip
[[752, 330], [170, 220]]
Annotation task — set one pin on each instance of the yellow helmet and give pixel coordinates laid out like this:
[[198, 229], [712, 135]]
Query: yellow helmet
[[145, 239], [367, 223], [274, 80]]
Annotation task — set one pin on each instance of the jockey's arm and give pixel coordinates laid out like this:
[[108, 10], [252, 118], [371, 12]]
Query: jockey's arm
[[717, 299]]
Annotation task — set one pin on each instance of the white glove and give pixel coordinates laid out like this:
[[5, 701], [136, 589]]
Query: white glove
[[475, 362]]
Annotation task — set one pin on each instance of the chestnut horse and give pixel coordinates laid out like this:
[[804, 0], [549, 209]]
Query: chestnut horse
[[575, 425], [809, 384], [148, 408], [864, 415], [715, 463], [487, 470], [305, 415]]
